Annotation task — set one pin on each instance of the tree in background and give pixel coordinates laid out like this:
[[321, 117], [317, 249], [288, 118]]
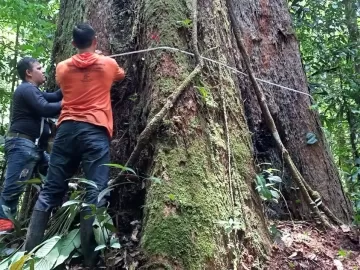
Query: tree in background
[[329, 34]]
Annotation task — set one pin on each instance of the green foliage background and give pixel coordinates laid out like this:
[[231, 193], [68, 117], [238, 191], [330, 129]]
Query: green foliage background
[[27, 29]]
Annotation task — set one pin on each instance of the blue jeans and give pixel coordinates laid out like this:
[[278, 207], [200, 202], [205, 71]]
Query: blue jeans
[[75, 142], [22, 157]]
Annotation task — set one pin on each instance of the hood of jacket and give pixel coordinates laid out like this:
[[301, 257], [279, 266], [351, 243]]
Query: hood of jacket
[[84, 60]]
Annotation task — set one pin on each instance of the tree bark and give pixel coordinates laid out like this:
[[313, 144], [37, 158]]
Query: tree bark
[[271, 43], [202, 151]]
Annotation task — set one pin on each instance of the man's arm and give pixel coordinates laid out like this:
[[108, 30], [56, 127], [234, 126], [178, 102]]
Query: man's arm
[[35, 99], [119, 72], [53, 97]]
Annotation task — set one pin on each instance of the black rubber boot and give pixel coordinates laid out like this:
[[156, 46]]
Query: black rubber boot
[[88, 242], [35, 233]]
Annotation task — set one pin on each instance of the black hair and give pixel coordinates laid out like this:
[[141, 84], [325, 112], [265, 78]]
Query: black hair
[[83, 35], [25, 64]]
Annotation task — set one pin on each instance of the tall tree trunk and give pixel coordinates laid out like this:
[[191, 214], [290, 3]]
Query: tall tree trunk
[[351, 119], [351, 18], [203, 150], [271, 43], [13, 67]]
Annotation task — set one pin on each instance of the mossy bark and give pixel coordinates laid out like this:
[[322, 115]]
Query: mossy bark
[[200, 187]]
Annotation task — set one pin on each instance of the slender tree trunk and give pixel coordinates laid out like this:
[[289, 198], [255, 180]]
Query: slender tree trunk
[[203, 150], [353, 135], [13, 67], [351, 8], [25, 204]]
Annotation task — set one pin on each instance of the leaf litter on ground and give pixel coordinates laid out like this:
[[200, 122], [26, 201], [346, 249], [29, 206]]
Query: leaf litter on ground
[[301, 245]]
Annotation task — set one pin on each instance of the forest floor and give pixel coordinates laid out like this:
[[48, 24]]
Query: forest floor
[[296, 246], [301, 245]]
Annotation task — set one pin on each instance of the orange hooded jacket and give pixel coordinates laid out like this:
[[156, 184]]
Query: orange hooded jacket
[[85, 80]]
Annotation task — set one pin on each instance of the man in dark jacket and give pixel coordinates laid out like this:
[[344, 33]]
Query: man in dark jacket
[[25, 142]]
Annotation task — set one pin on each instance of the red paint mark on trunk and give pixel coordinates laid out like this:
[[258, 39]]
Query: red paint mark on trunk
[[266, 48]]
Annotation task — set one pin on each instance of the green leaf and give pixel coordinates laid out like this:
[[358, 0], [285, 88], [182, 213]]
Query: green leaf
[[155, 180], [46, 248], [270, 170], [17, 256], [115, 245], [275, 194], [228, 229], [311, 138], [32, 264], [357, 161], [67, 245], [76, 255], [171, 197], [260, 180], [25, 47], [270, 185], [103, 193], [118, 166], [31, 181], [275, 179], [342, 253], [92, 206], [203, 92], [101, 233], [72, 202], [4, 264], [100, 247], [186, 23], [88, 182], [113, 239], [48, 261], [110, 227]]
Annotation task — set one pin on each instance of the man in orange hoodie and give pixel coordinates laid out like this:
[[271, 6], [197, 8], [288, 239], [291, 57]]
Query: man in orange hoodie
[[85, 127]]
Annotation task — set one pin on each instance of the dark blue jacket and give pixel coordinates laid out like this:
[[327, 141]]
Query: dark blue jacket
[[29, 105]]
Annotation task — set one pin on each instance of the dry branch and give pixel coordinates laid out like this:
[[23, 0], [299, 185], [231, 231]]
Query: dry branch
[[300, 181]]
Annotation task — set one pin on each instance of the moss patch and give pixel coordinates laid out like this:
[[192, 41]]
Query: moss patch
[[183, 209]]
